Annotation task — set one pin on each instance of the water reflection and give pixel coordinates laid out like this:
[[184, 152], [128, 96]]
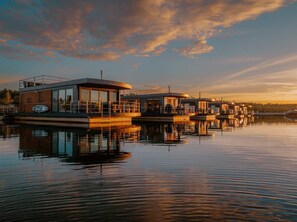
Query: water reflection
[[162, 133], [8, 130], [76, 145], [245, 175]]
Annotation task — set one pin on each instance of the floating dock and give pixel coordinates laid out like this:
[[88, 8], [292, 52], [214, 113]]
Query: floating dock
[[164, 119], [225, 116], [203, 117], [75, 120]]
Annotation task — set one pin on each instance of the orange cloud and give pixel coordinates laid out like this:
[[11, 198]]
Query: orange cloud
[[107, 30]]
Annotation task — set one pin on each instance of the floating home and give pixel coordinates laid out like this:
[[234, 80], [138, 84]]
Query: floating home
[[85, 102], [221, 110], [159, 107], [198, 109]]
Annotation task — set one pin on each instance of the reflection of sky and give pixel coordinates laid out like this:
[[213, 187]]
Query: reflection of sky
[[243, 52], [237, 175]]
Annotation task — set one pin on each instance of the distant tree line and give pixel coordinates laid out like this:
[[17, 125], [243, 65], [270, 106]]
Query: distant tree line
[[8, 96], [272, 108]]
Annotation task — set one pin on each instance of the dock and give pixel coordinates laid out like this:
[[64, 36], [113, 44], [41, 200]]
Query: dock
[[203, 117], [225, 116], [164, 119], [74, 119]]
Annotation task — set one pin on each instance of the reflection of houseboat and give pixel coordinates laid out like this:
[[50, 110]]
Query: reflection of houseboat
[[76, 145], [198, 128], [48, 100], [161, 133], [8, 130], [197, 108], [159, 107], [291, 114]]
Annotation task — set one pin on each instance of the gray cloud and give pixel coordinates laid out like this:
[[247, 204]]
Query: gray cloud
[[108, 30]]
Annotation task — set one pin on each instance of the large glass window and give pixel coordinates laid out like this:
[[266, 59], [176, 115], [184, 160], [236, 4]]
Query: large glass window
[[103, 96], [113, 96], [55, 101], [62, 98], [94, 96], [85, 95], [69, 99]]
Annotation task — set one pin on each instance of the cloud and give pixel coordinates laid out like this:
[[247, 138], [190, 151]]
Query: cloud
[[271, 80], [108, 30], [23, 53], [266, 64]]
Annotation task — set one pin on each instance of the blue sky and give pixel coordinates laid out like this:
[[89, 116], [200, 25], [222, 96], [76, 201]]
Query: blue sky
[[238, 50]]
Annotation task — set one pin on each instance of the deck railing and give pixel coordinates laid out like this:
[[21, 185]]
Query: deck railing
[[99, 108], [165, 110], [40, 80]]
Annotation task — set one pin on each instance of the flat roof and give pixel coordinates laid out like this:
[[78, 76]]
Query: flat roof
[[197, 99], [156, 95], [89, 82]]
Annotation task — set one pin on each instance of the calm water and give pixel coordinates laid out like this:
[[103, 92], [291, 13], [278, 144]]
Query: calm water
[[231, 170]]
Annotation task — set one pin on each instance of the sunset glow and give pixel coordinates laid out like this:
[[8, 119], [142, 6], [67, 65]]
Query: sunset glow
[[238, 50]]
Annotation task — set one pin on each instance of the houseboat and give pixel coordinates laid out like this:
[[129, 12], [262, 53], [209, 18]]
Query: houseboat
[[86, 102], [197, 108], [221, 110], [159, 107]]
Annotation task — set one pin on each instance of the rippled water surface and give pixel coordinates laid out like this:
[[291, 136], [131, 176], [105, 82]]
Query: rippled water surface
[[228, 171]]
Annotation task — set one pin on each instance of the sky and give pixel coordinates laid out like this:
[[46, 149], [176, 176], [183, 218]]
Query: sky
[[241, 50]]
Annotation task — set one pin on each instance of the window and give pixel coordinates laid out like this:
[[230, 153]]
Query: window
[[69, 99], [94, 96], [62, 98], [103, 96], [29, 99], [85, 95], [55, 101], [113, 97]]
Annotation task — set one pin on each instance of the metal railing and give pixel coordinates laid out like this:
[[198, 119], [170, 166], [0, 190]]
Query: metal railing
[[165, 110], [100, 108], [40, 80]]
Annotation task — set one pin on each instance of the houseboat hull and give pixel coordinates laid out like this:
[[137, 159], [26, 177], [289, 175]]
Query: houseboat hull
[[162, 118], [225, 116], [203, 117], [75, 120]]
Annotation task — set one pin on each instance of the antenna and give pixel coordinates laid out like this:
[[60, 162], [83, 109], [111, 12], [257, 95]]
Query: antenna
[[101, 73], [199, 95], [169, 89]]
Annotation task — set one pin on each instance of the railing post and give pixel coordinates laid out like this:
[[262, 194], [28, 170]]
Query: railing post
[[109, 108], [87, 108], [101, 107]]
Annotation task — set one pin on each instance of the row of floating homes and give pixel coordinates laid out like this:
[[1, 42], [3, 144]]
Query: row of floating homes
[[92, 102], [210, 109]]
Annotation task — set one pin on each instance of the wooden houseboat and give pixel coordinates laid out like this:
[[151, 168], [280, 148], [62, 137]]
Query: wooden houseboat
[[159, 107], [197, 108], [87, 101], [221, 110]]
